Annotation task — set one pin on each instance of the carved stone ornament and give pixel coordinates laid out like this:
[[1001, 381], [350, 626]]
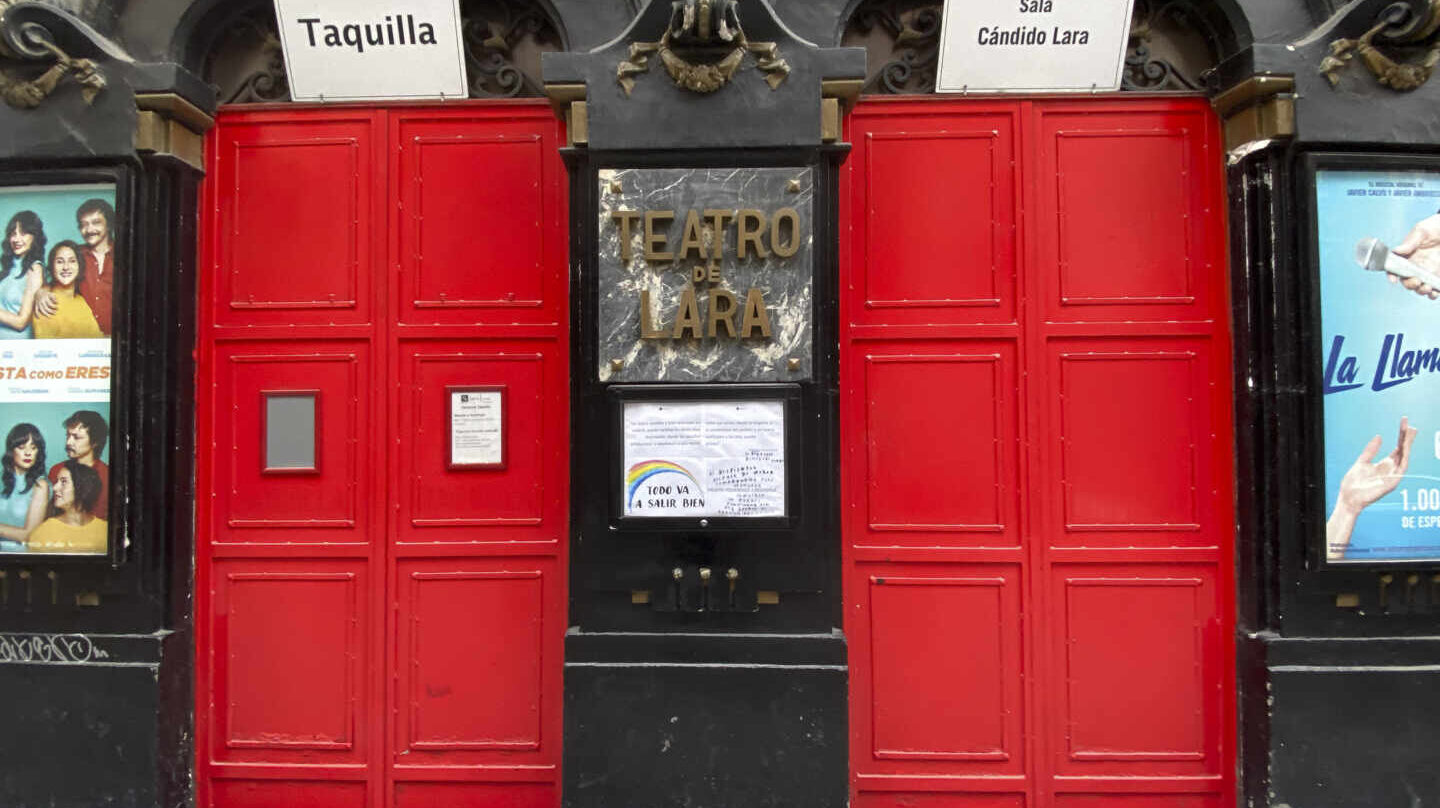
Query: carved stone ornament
[[503, 42], [904, 36], [1408, 27], [1171, 47], [247, 62], [26, 38], [702, 48]]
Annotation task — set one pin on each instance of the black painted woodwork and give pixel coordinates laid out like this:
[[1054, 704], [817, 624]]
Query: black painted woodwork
[[1333, 700], [117, 729], [747, 113], [752, 701]]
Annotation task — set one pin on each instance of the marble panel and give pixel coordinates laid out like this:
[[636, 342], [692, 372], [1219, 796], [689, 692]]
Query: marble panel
[[786, 283]]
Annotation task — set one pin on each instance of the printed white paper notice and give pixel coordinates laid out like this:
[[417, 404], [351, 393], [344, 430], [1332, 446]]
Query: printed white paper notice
[[704, 458], [353, 50], [477, 429], [1033, 45]]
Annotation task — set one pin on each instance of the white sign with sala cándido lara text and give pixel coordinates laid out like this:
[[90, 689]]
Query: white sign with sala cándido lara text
[[990, 46], [354, 50]]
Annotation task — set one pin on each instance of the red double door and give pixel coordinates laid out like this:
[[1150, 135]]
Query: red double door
[[377, 625], [1036, 469], [1037, 464]]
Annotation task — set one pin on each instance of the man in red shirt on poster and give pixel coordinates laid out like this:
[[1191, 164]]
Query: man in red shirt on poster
[[96, 219], [85, 436]]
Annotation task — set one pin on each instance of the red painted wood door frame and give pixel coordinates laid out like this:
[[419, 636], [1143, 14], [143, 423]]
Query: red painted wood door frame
[[382, 629], [1037, 454]]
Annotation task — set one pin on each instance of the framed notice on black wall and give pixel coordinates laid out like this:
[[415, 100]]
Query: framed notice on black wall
[[706, 455], [1375, 237], [58, 265]]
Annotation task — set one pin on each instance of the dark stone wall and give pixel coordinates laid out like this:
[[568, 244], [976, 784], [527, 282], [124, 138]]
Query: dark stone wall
[[100, 687], [1333, 712], [689, 736], [1333, 699], [96, 654], [80, 735]]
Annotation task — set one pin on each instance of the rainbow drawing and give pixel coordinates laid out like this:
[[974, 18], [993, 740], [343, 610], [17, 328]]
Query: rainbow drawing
[[645, 469]]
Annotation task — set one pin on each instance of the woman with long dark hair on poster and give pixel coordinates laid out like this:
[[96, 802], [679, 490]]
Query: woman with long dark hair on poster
[[24, 490], [74, 528], [72, 318], [22, 271]]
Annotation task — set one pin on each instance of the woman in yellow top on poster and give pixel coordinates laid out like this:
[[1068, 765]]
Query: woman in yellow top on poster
[[75, 528], [73, 318]]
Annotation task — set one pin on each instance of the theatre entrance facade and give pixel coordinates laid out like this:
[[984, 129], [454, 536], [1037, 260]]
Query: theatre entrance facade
[[1034, 524]]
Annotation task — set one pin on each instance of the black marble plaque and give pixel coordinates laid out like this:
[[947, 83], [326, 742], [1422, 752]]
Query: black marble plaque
[[785, 283]]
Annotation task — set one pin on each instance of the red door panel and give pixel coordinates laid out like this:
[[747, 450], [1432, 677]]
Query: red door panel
[[1136, 646], [1151, 492], [473, 645], [1128, 221], [1136, 801], [291, 695], [479, 205], [258, 504], [281, 257], [939, 184], [939, 469], [472, 795], [376, 626], [461, 671], [1037, 493], [437, 503], [947, 689], [911, 799], [272, 793]]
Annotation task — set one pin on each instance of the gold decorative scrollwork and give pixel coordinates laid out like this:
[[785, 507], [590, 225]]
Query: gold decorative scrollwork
[[698, 28], [28, 93], [1402, 76], [24, 94], [701, 78]]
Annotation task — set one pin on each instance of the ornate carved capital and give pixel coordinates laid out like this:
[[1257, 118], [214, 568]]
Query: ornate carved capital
[[1171, 47], [911, 30], [1400, 48], [702, 48], [42, 46], [494, 31]]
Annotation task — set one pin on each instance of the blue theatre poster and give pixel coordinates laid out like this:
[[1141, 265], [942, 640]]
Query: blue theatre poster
[[1378, 238]]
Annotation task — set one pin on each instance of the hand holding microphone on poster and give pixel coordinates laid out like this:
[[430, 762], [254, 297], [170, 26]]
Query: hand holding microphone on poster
[[1364, 484], [1413, 263]]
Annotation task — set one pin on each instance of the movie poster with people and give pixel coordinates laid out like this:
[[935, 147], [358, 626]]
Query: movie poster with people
[[1378, 235], [57, 276]]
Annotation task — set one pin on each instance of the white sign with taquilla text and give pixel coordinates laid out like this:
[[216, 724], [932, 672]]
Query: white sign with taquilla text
[[351, 50], [989, 46]]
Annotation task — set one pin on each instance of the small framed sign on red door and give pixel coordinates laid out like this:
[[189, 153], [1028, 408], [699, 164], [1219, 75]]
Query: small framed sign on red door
[[475, 416]]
